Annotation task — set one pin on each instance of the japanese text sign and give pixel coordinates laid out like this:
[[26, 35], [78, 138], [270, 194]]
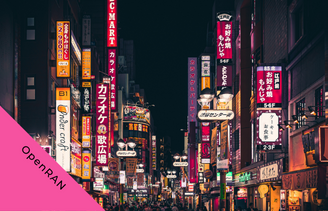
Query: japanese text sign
[[86, 135], [268, 129], [102, 124], [63, 125], [192, 89], [224, 40], [76, 163], [112, 74], [131, 166], [111, 23], [86, 99], [153, 143], [271, 171], [224, 75], [86, 64], [269, 86], [63, 49], [86, 165]]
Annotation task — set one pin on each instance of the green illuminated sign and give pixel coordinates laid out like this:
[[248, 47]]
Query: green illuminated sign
[[243, 177]]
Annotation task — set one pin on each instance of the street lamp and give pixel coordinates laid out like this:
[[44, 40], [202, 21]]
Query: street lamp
[[225, 95], [207, 94], [184, 157], [131, 143], [121, 143], [176, 156]]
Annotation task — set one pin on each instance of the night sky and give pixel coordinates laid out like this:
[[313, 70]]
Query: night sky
[[165, 34]]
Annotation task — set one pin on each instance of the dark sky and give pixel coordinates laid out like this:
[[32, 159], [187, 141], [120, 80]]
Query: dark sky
[[165, 34]]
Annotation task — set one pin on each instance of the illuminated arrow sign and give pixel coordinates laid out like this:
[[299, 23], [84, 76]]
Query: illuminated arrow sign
[[215, 115], [126, 153], [180, 164]]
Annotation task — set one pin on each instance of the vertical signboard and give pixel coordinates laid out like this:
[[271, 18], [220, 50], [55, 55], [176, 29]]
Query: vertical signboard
[[213, 145], [269, 86], [76, 163], [111, 23], [153, 141], [63, 127], [86, 128], [206, 65], [192, 90], [86, 97], [107, 80], [86, 30], [131, 166], [206, 144], [86, 165], [224, 75], [268, 136], [113, 164], [86, 64], [112, 74], [102, 124], [224, 38], [63, 49], [223, 160], [199, 159]]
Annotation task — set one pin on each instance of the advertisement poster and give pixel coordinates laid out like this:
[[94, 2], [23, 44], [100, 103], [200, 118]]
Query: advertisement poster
[[136, 113]]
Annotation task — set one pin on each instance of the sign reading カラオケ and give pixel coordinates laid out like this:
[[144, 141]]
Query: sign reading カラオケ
[[102, 124]]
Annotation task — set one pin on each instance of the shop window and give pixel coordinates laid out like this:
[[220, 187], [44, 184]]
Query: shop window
[[319, 102], [300, 109]]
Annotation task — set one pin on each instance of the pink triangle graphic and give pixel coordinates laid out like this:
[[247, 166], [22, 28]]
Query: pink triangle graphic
[[24, 186]]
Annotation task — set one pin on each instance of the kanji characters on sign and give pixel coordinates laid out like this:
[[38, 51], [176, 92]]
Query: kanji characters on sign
[[224, 40], [102, 124]]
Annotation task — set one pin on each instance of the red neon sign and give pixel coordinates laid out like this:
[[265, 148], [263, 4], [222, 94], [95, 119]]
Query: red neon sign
[[111, 23]]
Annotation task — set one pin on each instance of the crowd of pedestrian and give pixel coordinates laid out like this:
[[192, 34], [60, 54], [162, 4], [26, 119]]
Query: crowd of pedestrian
[[151, 207]]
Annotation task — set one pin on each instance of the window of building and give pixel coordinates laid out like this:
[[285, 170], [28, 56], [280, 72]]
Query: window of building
[[319, 102], [30, 21], [236, 139], [300, 109], [30, 34], [30, 88], [30, 94], [299, 24]]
